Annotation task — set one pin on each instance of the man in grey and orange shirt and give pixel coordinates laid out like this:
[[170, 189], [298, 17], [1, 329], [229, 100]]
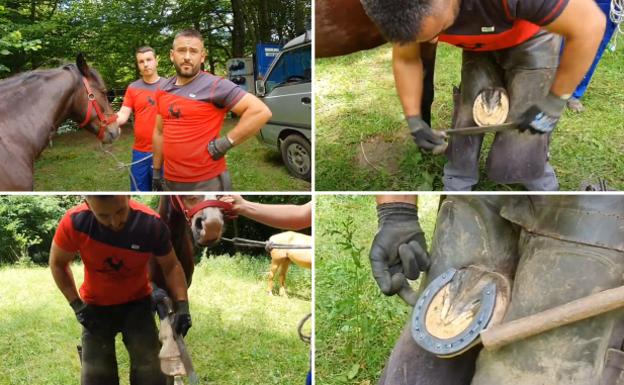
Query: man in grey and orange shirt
[[191, 109], [140, 98], [506, 43]]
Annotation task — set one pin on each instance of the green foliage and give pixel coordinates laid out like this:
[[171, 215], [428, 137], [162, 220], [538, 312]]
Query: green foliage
[[27, 225], [356, 326], [109, 32]]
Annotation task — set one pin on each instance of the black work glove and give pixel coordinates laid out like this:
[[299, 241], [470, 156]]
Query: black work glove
[[85, 314], [218, 147], [426, 138], [542, 118], [399, 250], [182, 320], [158, 296], [157, 179]]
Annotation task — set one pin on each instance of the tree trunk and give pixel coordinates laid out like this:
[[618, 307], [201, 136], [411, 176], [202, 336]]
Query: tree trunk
[[264, 27], [238, 31], [299, 17]]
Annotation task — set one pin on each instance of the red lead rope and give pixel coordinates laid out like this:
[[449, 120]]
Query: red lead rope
[[225, 207], [92, 103]]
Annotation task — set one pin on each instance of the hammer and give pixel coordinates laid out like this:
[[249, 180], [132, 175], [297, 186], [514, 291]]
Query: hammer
[[602, 302]]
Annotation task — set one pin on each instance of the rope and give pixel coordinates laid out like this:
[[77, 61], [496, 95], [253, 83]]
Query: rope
[[302, 336], [616, 14], [121, 165], [268, 245]]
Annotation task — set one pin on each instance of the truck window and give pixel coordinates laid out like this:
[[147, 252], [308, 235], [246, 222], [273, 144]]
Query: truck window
[[292, 66]]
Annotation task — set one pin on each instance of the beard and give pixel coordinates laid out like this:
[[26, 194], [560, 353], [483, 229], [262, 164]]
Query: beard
[[186, 72]]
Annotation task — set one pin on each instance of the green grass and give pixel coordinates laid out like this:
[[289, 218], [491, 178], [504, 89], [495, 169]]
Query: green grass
[[356, 325], [240, 335], [76, 163], [357, 106]]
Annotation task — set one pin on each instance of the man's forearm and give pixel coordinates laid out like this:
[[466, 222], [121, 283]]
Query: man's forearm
[[123, 115], [157, 144], [250, 122], [288, 217], [408, 78], [176, 282], [578, 55], [581, 43], [64, 280]]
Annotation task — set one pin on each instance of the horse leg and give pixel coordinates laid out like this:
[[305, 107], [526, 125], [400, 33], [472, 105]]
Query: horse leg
[[274, 266], [282, 278]]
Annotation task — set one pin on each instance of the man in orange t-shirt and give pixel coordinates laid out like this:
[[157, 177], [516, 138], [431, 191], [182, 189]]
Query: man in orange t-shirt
[[116, 237], [191, 109], [140, 98]]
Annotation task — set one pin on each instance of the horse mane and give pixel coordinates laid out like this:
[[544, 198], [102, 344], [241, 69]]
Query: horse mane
[[33, 76], [28, 77]]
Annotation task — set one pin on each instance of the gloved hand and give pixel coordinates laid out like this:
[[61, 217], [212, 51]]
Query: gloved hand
[[158, 296], [85, 314], [182, 320], [157, 179], [399, 250], [426, 138], [542, 118], [218, 147]]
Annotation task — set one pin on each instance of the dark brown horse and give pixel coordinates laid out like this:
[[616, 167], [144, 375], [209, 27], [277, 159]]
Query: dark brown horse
[[34, 104], [342, 27], [188, 228]]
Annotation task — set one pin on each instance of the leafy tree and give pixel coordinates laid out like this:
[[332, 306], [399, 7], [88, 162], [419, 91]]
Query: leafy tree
[[27, 225]]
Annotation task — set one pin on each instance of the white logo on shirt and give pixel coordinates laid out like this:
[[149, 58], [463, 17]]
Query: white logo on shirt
[[135, 247]]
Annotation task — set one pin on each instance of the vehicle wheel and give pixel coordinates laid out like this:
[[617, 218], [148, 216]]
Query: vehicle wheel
[[297, 156]]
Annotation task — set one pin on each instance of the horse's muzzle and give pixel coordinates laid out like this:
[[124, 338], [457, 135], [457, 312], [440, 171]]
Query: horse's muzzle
[[113, 132]]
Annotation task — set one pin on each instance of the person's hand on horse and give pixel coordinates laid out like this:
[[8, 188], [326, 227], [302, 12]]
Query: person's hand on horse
[[182, 320], [85, 314], [427, 139], [157, 180], [399, 250], [236, 201], [542, 118], [218, 147]]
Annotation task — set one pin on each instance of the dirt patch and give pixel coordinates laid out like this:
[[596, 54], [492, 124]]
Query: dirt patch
[[381, 153]]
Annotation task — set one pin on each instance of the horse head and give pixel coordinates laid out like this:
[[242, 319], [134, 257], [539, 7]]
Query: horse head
[[206, 223], [90, 104]]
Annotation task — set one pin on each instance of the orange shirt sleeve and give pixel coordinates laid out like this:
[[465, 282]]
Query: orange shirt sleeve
[[65, 236]]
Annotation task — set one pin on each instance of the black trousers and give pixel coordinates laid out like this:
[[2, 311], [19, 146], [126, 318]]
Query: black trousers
[[135, 321]]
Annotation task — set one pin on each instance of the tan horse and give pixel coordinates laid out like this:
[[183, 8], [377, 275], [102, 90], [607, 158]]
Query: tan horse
[[281, 258]]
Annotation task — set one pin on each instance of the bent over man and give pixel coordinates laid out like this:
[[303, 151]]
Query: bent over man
[[191, 109], [510, 44], [116, 237]]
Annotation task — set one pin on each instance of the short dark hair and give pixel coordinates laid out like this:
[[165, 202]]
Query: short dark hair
[[398, 20], [144, 49], [189, 32]]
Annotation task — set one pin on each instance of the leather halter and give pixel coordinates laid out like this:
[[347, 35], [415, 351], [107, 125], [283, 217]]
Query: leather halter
[[91, 104], [225, 207]]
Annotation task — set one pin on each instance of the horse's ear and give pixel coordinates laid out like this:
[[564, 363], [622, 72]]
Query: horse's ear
[[82, 65]]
